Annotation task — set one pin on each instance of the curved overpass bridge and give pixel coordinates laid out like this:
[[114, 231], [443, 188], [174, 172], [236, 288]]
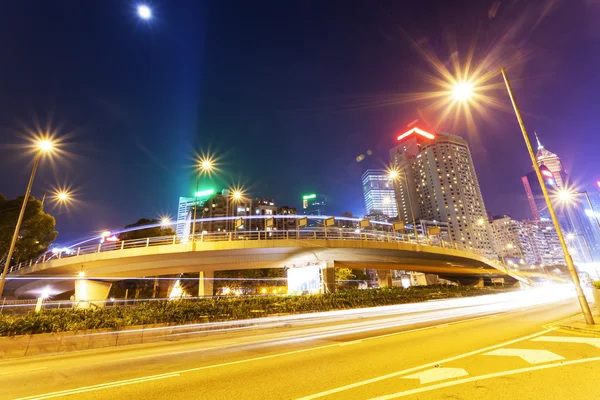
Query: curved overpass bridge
[[209, 252]]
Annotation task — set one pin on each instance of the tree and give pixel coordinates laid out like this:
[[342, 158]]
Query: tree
[[344, 274], [153, 231], [37, 229]]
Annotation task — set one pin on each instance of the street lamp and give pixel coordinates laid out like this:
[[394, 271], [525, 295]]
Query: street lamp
[[144, 12], [463, 93], [569, 197], [205, 166], [237, 195], [394, 175], [43, 146], [165, 222]]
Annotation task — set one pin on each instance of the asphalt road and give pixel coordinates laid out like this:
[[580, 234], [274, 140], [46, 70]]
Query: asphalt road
[[468, 355]]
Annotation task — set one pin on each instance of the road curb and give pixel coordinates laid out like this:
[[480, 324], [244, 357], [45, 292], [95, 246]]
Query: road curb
[[580, 327]]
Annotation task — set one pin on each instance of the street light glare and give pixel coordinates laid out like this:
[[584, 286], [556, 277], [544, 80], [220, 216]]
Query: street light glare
[[144, 12], [206, 165], [165, 221], [565, 196], [45, 145], [462, 91], [63, 196], [237, 195]]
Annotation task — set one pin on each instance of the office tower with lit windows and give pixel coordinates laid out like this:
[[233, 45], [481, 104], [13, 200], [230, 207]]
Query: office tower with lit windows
[[553, 163], [436, 176], [378, 191], [314, 204], [576, 218]]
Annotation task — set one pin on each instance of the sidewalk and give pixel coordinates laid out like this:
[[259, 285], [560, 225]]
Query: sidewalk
[[577, 324]]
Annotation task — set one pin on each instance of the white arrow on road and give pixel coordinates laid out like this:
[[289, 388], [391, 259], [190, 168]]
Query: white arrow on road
[[531, 356], [567, 339], [437, 374]]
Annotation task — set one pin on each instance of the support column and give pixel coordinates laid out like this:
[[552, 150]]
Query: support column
[[328, 274], [91, 293], [384, 278], [205, 283]]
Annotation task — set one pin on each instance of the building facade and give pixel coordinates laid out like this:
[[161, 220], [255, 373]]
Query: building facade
[[532, 241], [314, 204], [379, 195], [437, 182]]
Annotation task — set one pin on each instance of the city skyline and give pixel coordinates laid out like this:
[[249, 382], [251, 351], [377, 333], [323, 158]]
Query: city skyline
[[157, 139]]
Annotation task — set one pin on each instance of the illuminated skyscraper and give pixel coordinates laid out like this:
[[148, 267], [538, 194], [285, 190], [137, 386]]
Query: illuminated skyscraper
[[314, 204], [553, 163], [378, 190], [438, 176]]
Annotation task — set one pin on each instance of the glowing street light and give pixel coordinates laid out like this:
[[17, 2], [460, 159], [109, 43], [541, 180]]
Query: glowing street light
[[236, 195], [165, 221], [464, 92], [44, 146], [144, 12], [205, 166]]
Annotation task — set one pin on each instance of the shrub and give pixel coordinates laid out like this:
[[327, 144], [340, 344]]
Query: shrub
[[222, 309]]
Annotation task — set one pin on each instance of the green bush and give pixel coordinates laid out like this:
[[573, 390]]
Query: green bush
[[597, 284], [178, 312]]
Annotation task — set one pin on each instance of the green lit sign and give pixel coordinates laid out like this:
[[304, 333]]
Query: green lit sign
[[309, 196], [204, 193]]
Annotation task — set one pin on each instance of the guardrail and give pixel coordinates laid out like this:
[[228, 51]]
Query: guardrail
[[318, 233]]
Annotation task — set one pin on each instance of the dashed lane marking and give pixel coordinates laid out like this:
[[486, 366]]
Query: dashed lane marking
[[531, 356], [482, 377], [437, 374]]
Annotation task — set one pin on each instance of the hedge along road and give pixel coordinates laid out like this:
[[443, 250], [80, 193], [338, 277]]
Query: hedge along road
[[177, 312]]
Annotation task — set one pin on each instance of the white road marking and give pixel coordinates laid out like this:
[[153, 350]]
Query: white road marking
[[420, 367], [22, 370], [481, 377], [437, 374], [567, 339], [349, 343], [101, 386], [531, 356]]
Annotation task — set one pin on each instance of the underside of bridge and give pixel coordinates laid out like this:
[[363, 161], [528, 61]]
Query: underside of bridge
[[209, 257]]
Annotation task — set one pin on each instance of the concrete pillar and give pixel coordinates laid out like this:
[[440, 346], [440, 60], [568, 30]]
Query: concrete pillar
[[328, 274], [384, 278], [88, 293], [205, 283]]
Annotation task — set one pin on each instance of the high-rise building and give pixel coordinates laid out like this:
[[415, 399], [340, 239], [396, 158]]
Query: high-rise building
[[437, 178], [508, 240], [378, 190], [185, 211], [314, 204], [576, 219], [552, 161], [533, 241], [535, 196]]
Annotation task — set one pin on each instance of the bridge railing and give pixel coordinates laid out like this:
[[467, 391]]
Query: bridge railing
[[318, 233]]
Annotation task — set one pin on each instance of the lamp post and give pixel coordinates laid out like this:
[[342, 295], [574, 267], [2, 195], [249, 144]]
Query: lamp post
[[585, 308], [204, 166], [567, 196], [44, 146], [462, 91]]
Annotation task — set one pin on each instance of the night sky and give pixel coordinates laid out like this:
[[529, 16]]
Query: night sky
[[286, 93]]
